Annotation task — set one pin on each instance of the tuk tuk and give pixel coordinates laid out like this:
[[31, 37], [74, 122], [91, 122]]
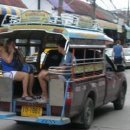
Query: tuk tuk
[[94, 80]]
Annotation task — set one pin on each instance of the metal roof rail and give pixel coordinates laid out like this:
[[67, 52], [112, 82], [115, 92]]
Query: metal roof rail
[[10, 20], [55, 20], [71, 20], [65, 20]]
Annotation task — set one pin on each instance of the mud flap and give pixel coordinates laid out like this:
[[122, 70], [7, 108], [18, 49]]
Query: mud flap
[[6, 89], [56, 92]]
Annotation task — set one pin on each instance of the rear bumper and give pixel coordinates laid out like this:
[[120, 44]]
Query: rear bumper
[[53, 120], [48, 120]]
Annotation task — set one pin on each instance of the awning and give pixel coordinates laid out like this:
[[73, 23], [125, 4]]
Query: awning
[[127, 27], [4, 9], [107, 25], [127, 31]]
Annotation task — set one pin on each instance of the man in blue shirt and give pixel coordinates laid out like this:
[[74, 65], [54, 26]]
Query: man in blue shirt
[[118, 53]]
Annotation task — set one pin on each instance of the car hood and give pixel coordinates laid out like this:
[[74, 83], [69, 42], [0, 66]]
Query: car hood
[[127, 57]]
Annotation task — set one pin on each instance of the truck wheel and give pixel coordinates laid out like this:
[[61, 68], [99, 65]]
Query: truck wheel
[[88, 114], [119, 102]]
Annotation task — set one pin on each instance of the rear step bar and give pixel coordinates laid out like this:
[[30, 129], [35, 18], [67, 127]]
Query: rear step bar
[[4, 114], [49, 120], [53, 120]]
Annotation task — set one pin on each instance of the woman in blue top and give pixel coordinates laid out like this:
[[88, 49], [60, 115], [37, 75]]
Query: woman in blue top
[[7, 62], [22, 66]]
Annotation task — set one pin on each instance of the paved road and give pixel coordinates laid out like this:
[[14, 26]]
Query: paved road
[[106, 118]]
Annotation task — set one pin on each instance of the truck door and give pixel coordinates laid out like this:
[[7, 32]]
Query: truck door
[[111, 80]]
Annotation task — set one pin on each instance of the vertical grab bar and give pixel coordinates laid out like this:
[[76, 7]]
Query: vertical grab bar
[[66, 88]]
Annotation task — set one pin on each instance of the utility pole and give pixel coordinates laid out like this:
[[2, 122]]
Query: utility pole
[[128, 14], [93, 5], [60, 7], [39, 5], [94, 9]]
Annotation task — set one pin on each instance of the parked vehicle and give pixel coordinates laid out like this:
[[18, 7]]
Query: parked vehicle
[[127, 57], [94, 79]]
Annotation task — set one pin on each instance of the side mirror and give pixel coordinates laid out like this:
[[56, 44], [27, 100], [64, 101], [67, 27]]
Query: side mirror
[[120, 68]]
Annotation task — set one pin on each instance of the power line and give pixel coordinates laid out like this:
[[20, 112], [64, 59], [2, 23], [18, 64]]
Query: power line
[[107, 4], [104, 4], [113, 4]]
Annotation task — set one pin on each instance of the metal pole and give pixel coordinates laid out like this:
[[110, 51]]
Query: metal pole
[[128, 14], [39, 4], [93, 12], [94, 9], [60, 7]]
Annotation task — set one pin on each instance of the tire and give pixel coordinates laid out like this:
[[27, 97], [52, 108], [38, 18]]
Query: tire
[[119, 102], [87, 114]]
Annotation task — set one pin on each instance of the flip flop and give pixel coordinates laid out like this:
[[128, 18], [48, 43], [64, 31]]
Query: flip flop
[[36, 97], [27, 98], [42, 100]]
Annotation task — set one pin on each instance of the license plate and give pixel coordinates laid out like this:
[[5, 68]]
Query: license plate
[[31, 111]]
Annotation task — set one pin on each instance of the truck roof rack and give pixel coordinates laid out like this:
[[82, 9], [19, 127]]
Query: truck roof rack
[[42, 18]]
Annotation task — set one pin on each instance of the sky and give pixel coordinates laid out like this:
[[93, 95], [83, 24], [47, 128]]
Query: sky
[[116, 4], [106, 4], [119, 4]]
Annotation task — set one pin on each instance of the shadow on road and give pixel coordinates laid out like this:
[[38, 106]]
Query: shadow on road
[[29, 126], [103, 111]]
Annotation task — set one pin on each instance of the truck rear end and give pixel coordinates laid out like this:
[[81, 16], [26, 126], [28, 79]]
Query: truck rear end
[[54, 112]]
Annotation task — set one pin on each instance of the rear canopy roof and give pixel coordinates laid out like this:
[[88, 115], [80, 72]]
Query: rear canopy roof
[[38, 24]]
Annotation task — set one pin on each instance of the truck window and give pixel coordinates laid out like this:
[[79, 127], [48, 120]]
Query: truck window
[[88, 62]]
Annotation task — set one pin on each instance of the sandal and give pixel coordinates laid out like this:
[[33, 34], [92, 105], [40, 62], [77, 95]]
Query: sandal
[[36, 97], [42, 100], [27, 98]]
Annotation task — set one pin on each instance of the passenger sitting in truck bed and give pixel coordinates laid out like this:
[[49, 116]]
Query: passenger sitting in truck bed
[[7, 62], [43, 75], [20, 64]]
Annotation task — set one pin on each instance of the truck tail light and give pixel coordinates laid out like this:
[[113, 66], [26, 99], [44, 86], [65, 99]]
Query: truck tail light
[[69, 96]]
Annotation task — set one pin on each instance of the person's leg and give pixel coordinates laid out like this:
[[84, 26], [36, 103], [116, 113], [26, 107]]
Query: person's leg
[[115, 60], [42, 77], [31, 81], [24, 77], [118, 60]]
